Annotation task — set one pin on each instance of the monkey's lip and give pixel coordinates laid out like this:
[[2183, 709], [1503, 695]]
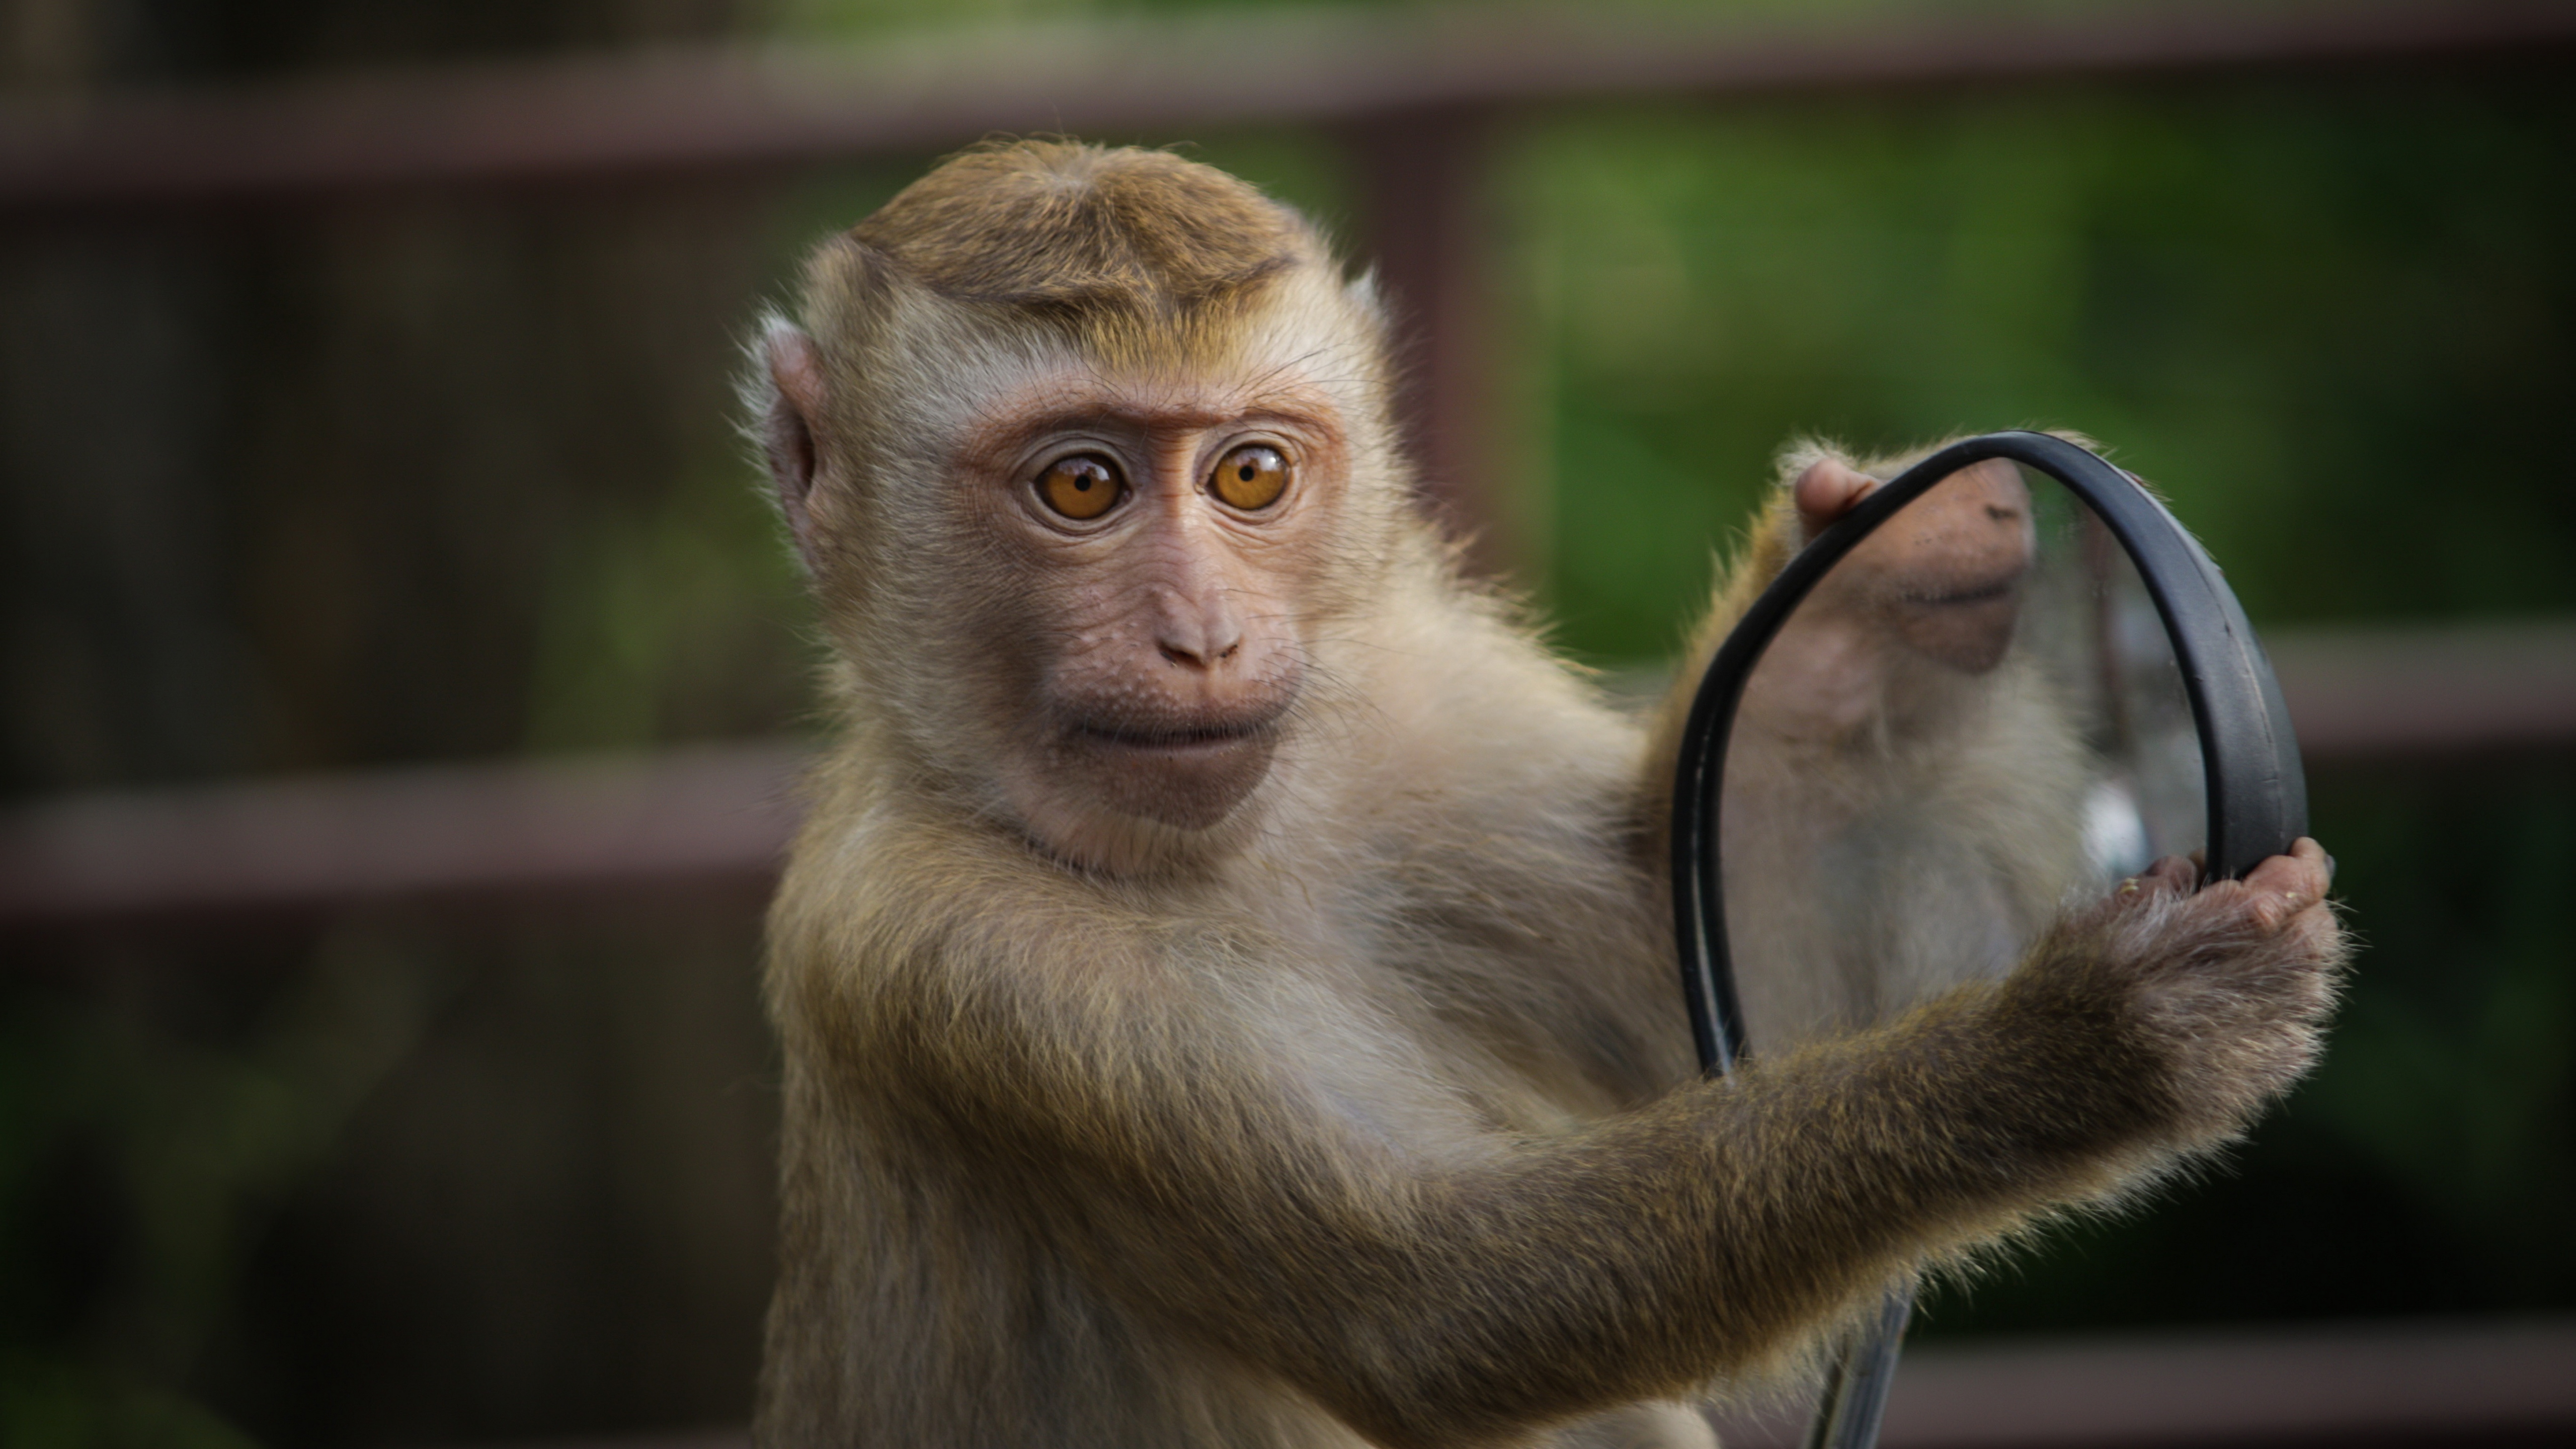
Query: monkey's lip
[[1982, 593], [1181, 739]]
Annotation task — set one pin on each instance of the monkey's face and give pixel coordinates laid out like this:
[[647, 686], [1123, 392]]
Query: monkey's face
[[1136, 560], [1080, 571], [1168, 530]]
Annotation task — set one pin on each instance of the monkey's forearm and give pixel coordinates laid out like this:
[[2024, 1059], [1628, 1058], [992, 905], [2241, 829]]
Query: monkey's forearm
[[1713, 1230], [1442, 1296]]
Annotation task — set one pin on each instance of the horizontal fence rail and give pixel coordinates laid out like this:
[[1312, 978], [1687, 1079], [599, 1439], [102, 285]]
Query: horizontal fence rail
[[729, 108], [2367, 1384], [718, 818], [714, 818], [2437, 1385]]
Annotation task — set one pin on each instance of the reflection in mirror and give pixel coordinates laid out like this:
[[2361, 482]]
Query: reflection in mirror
[[1974, 720]]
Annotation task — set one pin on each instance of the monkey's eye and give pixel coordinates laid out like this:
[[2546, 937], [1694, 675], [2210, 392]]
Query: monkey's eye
[[1082, 486], [1251, 477]]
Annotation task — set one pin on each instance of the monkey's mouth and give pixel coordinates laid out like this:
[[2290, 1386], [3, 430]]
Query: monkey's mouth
[[1188, 768], [1964, 594], [1180, 739], [1979, 594]]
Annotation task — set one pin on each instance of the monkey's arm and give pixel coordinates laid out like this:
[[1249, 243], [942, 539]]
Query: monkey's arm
[[1436, 1289]]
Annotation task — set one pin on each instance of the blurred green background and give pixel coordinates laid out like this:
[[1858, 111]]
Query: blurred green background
[[454, 478]]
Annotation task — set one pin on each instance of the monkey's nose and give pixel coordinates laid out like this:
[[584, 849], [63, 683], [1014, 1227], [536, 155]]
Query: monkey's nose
[[1200, 657], [1196, 640]]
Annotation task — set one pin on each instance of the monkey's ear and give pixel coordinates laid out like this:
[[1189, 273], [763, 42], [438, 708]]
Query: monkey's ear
[[787, 428]]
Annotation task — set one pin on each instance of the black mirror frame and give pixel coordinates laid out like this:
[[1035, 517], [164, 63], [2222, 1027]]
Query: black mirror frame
[[2257, 791]]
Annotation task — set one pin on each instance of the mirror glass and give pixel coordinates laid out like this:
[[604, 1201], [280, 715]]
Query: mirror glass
[[1974, 719]]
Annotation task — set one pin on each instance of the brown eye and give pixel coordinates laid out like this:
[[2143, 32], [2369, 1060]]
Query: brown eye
[[1082, 486], [1251, 478]]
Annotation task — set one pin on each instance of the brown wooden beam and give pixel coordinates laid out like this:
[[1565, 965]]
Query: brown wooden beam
[[2397, 696], [2423, 1385], [714, 818], [1421, 176], [2359, 1386], [685, 110]]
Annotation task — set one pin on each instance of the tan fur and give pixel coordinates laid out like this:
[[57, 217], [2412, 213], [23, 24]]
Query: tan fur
[[1363, 1114]]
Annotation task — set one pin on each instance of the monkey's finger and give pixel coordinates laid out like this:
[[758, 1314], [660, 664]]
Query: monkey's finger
[[2301, 873], [2167, 877], [2285, 885], [1829, 489], [2173, 873]]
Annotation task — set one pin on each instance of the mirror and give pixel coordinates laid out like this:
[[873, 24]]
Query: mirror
[[2005, 680], [1972, 718]]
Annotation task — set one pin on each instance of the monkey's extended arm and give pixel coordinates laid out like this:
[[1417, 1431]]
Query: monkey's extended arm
[[1440, 1287]]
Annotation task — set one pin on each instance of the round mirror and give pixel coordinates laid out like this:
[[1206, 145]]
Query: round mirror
[[2004, 681]]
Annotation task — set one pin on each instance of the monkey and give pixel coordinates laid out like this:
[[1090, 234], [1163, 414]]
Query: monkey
[[1221, 979]]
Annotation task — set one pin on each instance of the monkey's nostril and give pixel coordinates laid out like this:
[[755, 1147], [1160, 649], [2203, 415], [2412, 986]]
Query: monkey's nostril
[[2001, 514]]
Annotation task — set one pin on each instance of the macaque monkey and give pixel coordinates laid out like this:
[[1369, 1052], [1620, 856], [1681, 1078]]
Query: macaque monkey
[[1224, 978]]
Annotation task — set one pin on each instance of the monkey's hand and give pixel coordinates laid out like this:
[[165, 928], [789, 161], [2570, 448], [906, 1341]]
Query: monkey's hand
[[2224, 989], [1827, 490], [1944, 576]]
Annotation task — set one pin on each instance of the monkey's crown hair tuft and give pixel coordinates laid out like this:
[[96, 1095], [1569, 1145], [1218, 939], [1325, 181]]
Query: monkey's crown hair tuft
[[1063, 225]]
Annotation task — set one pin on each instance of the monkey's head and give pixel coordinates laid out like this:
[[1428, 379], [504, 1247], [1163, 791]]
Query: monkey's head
[[1085, 452]]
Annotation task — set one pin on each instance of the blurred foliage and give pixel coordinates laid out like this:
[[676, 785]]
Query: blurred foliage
[[425, 480], [409, 1180], [145, 1146], [2325, 320], [2453, 1076]]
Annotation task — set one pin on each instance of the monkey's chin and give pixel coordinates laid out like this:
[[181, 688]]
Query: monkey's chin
[[1133, 805]]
